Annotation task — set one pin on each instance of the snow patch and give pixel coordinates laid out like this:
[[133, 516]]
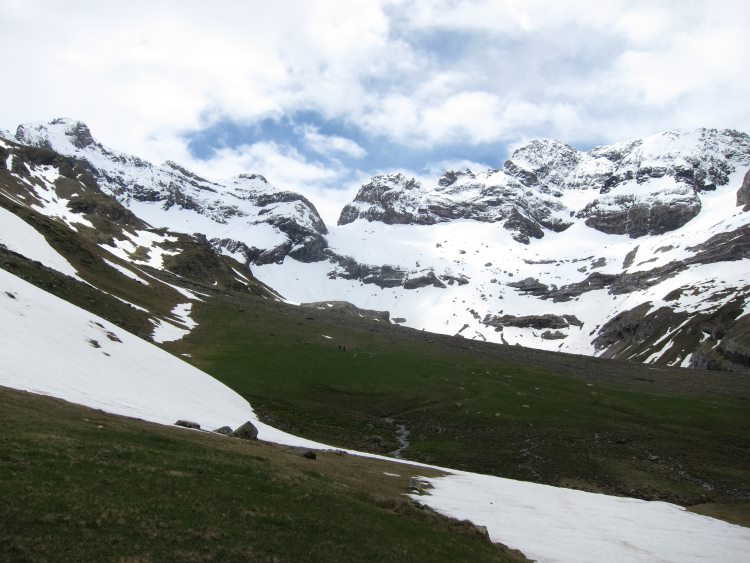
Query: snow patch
[[168, 331], [94, 363], [17, 235], [124, 271], [563, 525]]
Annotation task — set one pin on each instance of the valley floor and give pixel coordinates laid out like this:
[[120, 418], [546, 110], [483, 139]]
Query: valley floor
[[546, 523]]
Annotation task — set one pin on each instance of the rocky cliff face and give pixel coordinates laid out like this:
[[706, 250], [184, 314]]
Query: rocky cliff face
[[245, 216], [632, 251], [395, 199], [644, 187], [743, 194]]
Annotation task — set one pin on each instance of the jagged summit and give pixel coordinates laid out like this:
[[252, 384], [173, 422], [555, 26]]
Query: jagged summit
[[56, 134], [640, 187], [283, 223], [636, 250]]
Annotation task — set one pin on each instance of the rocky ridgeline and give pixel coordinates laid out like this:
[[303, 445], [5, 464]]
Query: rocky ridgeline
[[387, 276], [395, 199], [171, 196], [649, 186], [90, 224], [642, 187]]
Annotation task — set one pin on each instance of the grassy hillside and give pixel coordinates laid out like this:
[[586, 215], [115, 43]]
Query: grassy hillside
[[599, 425], [82, 485]]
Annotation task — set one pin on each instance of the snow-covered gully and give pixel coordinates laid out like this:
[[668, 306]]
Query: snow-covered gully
[[94, 363]]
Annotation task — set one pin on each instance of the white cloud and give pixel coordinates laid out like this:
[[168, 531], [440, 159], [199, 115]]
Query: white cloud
[[331, 145], [329, 188], [284, 164], [423, 74]]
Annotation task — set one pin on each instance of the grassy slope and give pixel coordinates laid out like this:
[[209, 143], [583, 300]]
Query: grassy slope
[[599, 425], [83, 485]]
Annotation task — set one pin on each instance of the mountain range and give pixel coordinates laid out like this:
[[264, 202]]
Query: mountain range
[[633, 251], [241, 295]]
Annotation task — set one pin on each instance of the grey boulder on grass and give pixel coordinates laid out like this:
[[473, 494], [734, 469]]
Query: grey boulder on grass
[[247, 431]]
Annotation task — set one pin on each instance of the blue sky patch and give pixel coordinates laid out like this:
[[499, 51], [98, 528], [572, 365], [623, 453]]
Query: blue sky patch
[[381, 154]]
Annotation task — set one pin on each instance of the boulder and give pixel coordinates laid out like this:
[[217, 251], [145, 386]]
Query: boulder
[[346, 308], [225, 430], [188, 424], [419, 485], [530, 286], [557, 335], [247, 431], [423, 281], [629, 258]]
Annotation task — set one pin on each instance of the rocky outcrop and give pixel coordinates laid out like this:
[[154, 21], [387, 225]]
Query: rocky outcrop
[[723, 247], [715, 339], [735, 345], [382, 276], [392, 199], [617, 284], [387, 276], [346, 308], [557, 335], [451, 279], [531, 286], [629, 258], [636, 330], [743, 194], [423, 280], [395, 199], [637, 217], [626, 184], [537, 322]]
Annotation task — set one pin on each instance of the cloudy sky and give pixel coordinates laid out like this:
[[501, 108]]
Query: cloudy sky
[[320, 95]]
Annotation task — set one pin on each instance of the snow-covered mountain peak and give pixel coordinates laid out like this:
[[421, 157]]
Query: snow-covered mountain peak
[[545, 161], [250, 183], [258, 177], [390, 198], [57, 135], [246, 217], [637, 187], [452, 177], [388, 182], [699, 157], [614, 234]]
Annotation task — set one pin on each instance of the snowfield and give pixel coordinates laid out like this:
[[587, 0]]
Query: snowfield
[[486, 256], [54, 348], [17, 235], [95, 363], [558, 525]]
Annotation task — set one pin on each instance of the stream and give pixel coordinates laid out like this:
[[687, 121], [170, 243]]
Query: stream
[[402, 437]]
